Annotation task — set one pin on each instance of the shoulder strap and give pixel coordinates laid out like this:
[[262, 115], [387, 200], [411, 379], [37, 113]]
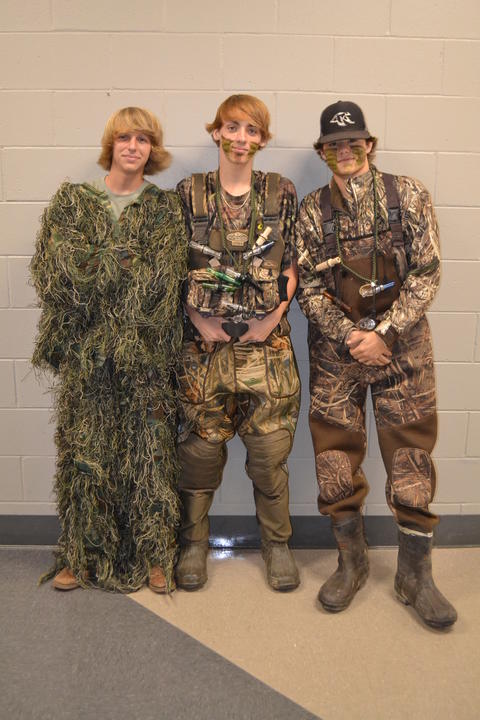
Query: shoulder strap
[[271, 205], [271, 210], [199, 207], [393, 209], [328, 225]]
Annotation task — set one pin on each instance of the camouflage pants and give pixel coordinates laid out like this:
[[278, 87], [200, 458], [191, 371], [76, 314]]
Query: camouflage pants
[[403, 395], [251, 389]]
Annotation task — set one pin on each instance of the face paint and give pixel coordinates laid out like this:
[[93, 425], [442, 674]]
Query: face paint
[[226, 145], [359, 156], [331, 159]]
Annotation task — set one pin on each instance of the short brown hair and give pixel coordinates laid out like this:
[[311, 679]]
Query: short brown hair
[[248, 105], [137, 119]]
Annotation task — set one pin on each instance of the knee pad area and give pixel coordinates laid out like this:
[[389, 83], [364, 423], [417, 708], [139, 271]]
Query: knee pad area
[[267, 453], [411, 477], [201, 463], [334, 476]]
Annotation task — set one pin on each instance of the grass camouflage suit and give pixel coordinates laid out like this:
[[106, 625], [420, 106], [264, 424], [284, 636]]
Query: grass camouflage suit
[[110, 330]]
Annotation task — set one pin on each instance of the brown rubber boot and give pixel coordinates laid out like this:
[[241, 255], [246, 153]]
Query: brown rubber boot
[[65, 580], [157, 582], [191, 570], [338, 591], [282, 573], [414, 583]]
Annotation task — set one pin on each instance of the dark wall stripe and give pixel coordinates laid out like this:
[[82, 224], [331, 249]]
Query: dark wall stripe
[[241, 531]]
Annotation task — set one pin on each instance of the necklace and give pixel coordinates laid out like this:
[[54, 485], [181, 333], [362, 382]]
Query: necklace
[[235, 207], [240, 264]]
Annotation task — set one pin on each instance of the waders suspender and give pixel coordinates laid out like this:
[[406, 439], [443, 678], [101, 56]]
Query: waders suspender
[[329, 236], [199, 206], [328, 225], [393, 209], [271, 210]]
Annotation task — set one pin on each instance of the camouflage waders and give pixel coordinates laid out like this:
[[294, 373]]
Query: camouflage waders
[[406, 255], [253, 389], [229, 387], [403, 395]]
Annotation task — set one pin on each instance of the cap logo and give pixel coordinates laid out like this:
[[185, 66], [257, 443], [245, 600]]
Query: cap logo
[[342, 119]]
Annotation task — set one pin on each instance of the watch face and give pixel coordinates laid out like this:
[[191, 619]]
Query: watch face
[[366, 324]]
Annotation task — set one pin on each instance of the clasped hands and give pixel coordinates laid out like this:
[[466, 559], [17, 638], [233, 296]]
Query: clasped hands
[[368, 348]]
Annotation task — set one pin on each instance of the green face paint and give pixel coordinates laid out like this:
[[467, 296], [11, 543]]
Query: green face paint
[[359, 156], [226, 145], [331, 159]]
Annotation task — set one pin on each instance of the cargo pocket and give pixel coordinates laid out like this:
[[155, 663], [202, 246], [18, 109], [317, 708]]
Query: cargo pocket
[[281, 369], [192, 374]]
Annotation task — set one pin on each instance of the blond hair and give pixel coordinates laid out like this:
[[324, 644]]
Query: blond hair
[[135, 119], [248, 105]]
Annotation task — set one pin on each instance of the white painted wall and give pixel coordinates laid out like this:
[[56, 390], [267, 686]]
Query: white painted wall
[[414, 68]]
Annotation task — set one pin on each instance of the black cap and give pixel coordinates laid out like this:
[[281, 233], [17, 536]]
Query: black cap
[[341, 120]]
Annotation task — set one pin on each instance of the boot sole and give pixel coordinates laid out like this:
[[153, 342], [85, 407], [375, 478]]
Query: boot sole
[[191, 587], [64, 588], [430, 623], [161, 589], [284, 587], [338, 608]]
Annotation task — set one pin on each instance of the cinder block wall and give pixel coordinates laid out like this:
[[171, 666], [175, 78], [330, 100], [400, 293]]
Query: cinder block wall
[[65, 66]]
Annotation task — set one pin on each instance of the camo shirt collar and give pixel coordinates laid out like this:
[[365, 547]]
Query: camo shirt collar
[[356, 188]]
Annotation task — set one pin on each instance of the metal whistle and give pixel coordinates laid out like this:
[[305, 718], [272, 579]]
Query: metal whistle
[[205, 249], [219, 287], [257, 250], [370, 289], [235, 307]]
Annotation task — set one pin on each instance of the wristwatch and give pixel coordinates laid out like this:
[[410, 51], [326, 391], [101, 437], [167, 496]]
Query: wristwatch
[[387, 332]]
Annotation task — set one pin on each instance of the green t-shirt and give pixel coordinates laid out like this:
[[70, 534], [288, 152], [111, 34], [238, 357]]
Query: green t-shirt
[[118, 202]]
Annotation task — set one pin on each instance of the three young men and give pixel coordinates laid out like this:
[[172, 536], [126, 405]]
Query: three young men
[[238, 372], [368, 256]]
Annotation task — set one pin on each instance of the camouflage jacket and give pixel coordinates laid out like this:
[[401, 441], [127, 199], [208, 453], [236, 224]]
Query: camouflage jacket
[[236, 215], [417, 266]]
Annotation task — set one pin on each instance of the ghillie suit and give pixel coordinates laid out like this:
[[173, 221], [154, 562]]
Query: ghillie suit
[[110, 331]]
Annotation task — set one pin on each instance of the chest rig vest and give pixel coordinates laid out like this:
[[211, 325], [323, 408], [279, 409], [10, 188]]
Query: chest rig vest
[[351, 277], [236, 273]]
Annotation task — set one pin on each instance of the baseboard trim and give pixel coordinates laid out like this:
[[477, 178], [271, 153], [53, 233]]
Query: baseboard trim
[[241, 531]]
